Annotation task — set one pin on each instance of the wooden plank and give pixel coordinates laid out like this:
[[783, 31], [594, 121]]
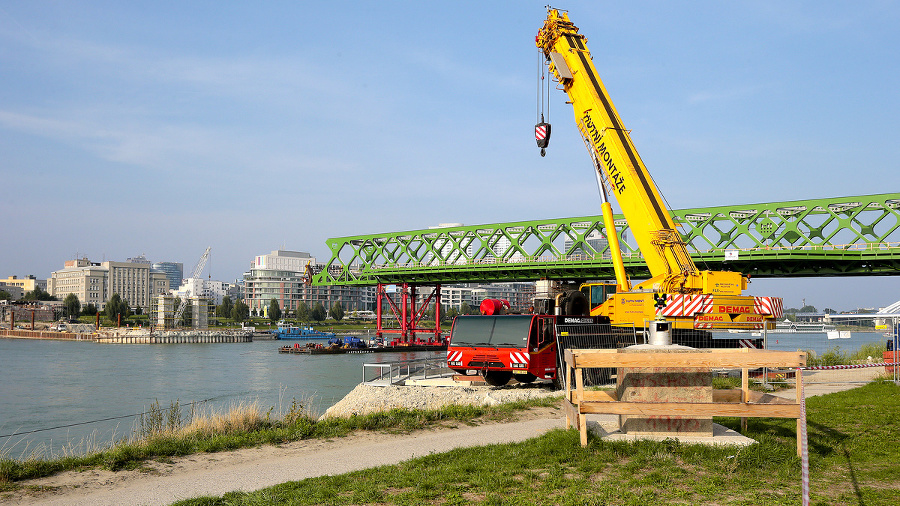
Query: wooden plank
[[571, 412], [692, 409], [694, 359], [600, 396]]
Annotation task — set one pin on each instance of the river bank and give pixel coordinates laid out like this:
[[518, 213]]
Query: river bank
[[164, 479]]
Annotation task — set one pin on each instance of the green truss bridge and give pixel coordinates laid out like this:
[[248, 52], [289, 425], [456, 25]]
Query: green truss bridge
[[846, 236]]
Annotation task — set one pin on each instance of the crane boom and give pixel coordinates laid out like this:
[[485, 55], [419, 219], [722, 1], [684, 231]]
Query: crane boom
[[605, 134], [677, 289], [198, 269]]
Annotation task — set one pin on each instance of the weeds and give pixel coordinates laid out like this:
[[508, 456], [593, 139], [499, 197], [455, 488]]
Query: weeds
[[164, 432], [836, 356]]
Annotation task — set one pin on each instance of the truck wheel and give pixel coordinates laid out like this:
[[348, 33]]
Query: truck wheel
[[525, 378], [497, 378]]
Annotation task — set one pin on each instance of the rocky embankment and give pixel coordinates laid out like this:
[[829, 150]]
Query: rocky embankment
[[366, 399]]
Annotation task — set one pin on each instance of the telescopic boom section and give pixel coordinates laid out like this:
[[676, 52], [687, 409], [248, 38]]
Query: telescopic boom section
[[665, 252]]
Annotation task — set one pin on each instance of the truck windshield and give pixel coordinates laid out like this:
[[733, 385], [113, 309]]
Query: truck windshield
[[507, 331]]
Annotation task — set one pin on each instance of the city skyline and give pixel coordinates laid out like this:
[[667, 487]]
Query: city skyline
[[163, 128]]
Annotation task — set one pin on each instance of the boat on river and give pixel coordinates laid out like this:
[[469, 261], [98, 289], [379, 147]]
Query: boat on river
[[319, 349], [297, 332]]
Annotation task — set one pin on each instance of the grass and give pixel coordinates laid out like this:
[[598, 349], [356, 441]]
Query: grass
[[853, 453], [164, 433]]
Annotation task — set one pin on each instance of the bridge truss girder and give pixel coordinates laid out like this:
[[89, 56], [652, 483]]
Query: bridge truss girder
[[844, 236]]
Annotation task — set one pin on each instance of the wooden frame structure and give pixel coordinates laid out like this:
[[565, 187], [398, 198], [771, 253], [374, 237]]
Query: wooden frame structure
[[732, 402]]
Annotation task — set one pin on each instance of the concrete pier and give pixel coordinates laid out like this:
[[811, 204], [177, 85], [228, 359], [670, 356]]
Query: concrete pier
[[664, 384]]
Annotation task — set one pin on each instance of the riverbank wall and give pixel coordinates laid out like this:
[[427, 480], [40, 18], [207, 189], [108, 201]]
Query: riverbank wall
[[177, 337], [136, 337], [48, 335]]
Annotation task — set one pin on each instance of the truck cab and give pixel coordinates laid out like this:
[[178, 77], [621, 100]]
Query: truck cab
[[502, 347]]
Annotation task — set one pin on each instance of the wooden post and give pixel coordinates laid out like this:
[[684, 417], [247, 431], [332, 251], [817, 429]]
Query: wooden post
[[745, 396], [579, 395]]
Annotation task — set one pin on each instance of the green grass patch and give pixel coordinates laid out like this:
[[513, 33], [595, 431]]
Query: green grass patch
[[852, 446]]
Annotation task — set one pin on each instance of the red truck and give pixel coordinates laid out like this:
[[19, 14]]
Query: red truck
[[520, 346]]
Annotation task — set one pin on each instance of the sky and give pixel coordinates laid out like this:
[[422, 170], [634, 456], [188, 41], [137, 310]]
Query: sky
[[161, 128]]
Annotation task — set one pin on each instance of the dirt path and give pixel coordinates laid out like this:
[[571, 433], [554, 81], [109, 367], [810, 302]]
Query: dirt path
[[255, 468]]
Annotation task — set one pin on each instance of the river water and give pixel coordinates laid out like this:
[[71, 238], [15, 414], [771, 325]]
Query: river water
[[49, 384], [56, 395]]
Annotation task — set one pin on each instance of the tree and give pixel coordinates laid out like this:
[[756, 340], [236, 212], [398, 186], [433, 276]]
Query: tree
[[464, 308], [318, 313], [450, 314], [89, 309], [274, 310], [116, 306], [39, 294], [4, 295], [72, 305], [809, 309], [302, 312], [223, 310], [337, 311], [240, 312]]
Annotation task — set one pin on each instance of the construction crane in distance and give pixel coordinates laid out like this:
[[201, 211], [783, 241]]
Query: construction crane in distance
[[194, 275]]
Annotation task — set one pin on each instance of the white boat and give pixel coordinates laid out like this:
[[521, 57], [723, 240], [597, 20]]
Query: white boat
[[788, 326]]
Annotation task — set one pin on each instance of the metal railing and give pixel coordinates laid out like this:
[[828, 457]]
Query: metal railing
[[397, 373]]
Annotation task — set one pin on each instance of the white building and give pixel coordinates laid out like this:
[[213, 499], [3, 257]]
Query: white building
[[281, 275]]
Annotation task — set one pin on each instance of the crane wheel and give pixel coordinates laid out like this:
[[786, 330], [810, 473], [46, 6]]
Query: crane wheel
[[525, 378], [497, 378]]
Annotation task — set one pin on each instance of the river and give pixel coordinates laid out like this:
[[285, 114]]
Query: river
[[49, 384]]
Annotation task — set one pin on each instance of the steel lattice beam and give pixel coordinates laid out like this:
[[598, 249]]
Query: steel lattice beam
[[824, 237]]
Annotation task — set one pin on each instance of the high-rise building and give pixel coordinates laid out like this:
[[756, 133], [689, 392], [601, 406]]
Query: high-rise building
[[174, 272]]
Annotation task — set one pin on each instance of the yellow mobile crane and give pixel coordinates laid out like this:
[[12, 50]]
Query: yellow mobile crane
[[677, 291]]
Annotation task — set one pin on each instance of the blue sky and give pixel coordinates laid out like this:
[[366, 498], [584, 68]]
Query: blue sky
[[161, 128]]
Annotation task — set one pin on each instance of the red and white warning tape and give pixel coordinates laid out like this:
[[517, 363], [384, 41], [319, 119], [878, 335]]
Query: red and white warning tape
[[804, 448], [853, 366]]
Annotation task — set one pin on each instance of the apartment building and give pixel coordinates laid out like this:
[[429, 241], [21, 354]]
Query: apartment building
[[94, 283], [281, 275]]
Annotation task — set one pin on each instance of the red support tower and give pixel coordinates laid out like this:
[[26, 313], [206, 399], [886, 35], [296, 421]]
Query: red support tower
[[407, 315]]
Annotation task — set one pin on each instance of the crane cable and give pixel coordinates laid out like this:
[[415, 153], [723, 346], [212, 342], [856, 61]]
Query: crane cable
[[542, 99]]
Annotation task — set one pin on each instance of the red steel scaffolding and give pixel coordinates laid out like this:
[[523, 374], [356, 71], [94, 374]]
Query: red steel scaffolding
[[407, 314]]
